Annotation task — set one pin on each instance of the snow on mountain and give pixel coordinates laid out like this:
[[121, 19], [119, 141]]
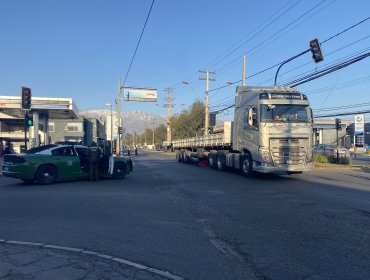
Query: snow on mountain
[[132, 120]]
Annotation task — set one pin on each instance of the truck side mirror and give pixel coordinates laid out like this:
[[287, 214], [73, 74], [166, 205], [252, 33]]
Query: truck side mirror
[[252, 117]]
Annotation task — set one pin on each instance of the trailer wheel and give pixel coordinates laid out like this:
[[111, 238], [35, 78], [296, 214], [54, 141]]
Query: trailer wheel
[[221, 162], [182, 157], [246, 166], [186, 158], [212, 160]]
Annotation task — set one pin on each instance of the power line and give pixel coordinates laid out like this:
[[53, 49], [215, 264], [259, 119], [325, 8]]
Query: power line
[[277, 64], [138, 43]]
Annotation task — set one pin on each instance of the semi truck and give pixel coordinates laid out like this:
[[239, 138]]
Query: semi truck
[[272, 132]]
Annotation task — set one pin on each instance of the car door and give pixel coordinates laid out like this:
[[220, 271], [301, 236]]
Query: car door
[[67, 162]]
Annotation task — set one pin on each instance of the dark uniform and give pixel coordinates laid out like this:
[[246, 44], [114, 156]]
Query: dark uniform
[[94, 156]]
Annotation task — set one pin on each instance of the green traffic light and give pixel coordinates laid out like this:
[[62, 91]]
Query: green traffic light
[[29, 122]]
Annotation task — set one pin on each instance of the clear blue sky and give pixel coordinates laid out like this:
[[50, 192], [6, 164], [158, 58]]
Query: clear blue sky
[[78, 49]]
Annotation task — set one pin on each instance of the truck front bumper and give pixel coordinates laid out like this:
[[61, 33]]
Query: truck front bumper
[[282, 169]]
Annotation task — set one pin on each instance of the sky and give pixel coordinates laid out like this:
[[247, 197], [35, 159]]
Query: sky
[[79, 49]]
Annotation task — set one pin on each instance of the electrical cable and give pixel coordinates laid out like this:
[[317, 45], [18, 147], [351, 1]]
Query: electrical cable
[[138, 43]]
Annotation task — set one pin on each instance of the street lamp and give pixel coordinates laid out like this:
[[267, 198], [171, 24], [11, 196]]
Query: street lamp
[[111, 126]]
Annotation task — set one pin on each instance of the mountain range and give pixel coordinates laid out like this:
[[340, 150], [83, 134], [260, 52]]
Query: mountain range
[[132, 120]]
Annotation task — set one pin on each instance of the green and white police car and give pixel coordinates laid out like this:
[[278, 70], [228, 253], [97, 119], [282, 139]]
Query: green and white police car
[[50, 163]]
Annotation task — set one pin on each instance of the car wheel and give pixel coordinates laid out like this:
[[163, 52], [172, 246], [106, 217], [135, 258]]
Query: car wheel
[[221, 162], [246, 166], [46, 174], [119, 171]]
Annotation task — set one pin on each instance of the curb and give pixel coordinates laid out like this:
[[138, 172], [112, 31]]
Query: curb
[[342, 167], [96, 254]]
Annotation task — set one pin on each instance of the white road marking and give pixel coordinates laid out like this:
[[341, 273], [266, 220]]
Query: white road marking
[[96, 254]]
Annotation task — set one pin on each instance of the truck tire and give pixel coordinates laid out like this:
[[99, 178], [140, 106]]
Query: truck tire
[[221, 162], [212, 160], [46, 174], [186, 158], [246, 165]]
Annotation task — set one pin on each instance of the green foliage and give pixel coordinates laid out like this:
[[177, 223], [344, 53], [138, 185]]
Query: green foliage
[[331, 159], [320, 159], [342, 160], [188, 123]]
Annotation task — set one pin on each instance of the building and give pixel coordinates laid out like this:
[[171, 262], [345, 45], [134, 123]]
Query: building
[[324, 132], [54, 120], [12, 120]]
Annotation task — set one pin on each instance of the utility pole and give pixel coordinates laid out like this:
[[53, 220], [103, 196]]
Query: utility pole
[[153, 134], [145, 135], [207, 79], [169, 106], [118, 144], [244, 71]]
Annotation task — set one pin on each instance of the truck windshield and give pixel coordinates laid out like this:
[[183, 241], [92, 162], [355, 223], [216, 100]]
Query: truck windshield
[[285, 113]]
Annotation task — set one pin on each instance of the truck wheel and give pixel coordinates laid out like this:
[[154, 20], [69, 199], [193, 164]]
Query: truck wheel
[[246, 166], [221, 162], [186, 158], [119, 170], [46, 174], [212, 160]]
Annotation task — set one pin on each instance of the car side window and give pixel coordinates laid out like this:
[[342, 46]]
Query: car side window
[[82, 152], [64, 151]]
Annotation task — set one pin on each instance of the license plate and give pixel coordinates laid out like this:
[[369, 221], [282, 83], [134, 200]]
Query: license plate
[[6, 168]]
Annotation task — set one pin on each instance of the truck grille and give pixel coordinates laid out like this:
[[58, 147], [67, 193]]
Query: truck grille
[[288, 150]]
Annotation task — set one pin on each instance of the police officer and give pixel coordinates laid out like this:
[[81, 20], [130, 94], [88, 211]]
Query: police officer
[[94, 156]]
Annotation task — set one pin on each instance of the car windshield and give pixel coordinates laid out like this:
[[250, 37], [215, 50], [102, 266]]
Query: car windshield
[[286, 113]]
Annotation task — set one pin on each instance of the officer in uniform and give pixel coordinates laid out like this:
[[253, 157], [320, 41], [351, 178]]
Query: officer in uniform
[[94, 156]]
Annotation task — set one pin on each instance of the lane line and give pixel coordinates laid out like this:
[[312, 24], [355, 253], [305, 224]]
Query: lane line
[[96, 254]]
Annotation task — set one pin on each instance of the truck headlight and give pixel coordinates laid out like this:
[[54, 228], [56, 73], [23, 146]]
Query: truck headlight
[[309, 155], [264, 155]]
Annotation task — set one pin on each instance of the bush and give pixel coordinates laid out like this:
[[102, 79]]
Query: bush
[[320, 159], [342, 160], [331, 159]]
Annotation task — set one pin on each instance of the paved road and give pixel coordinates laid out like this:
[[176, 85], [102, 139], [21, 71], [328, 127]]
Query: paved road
[[203, 224]]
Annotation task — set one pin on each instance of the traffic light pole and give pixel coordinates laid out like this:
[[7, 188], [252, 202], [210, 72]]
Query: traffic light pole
[[25, 130], [286, 61]]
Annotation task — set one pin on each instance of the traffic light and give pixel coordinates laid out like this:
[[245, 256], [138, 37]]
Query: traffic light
[[28, 119], [26, 98], [316, 51], [119, 130], [338, 123]]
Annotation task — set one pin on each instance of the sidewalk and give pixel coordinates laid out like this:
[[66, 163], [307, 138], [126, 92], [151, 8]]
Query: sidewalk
[[45, 262]]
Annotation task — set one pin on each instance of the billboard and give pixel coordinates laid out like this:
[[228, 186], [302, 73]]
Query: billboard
[[139, 94], [359, 129], [359, 124]]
